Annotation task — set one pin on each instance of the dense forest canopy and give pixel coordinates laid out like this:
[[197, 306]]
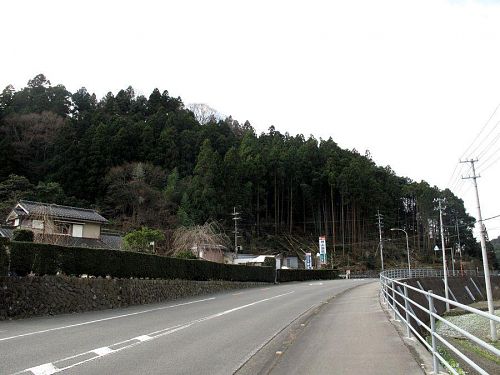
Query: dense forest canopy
[[149, 161]]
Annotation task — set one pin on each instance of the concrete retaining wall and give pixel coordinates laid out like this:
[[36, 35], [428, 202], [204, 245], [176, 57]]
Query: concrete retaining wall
[[457, 287], [22, 297]]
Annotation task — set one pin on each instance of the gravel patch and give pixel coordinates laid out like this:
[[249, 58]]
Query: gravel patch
[[474, 324]]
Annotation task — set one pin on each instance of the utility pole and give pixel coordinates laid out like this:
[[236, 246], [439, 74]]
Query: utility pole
[[459, 246], [486, 268], [452, 262], [381, 243], [236, 217], [445, 270]]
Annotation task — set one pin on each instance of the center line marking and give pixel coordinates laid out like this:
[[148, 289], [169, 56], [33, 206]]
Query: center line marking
[[143, 338], [104, 319], [50, 368], [46, 369], [103, 351]]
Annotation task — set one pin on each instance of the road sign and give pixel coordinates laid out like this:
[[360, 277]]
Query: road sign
[[322, 249], [436, 248], [308, 261]]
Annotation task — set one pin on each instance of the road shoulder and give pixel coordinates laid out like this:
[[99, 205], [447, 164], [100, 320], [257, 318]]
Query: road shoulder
[[347, 334]]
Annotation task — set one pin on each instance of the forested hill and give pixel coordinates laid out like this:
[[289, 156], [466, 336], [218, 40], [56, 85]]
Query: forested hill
[[147, 161]]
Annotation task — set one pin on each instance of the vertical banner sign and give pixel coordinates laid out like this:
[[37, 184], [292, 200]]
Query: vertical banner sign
[[322, 249], [308, 261]]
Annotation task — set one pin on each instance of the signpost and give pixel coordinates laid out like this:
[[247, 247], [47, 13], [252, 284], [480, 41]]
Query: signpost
[[322, 249]]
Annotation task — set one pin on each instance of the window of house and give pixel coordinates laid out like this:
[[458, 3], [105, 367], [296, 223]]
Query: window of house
[[62, 228], [16, 222], [77, 230], [37, 224]]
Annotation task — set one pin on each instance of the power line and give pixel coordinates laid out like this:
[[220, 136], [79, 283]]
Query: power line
[[485, 138], [491, 144], [455, 177], [492, 163], [493, 217], [453, 174], [458, 184], [481, 131]]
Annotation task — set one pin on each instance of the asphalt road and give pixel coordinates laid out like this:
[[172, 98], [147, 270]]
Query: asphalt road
[[350, 335], [214, 334]]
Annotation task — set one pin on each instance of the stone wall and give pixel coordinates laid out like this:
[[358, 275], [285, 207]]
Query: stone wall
[[22, 297]]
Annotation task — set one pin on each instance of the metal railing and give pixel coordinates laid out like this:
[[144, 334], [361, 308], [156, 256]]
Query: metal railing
[[395, 295], [404, 273]]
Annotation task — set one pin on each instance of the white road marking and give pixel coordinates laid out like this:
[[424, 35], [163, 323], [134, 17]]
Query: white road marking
[[104, 319], [46, 369], [316, 284], [140, 339], [143, 338], [237, 294], [103, 351]]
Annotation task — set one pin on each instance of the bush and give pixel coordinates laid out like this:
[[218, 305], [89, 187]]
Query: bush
[[4, 256], [285, 275], [141, 239], [24, 235], [270, 262], [50, 259], [185, 255]]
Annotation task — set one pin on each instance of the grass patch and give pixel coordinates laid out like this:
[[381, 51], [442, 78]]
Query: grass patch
[[447, 356], [466, 344]]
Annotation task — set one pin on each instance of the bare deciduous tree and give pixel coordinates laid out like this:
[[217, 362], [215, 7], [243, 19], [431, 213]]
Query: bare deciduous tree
[[209, 236], [46, 230], [204, 113]]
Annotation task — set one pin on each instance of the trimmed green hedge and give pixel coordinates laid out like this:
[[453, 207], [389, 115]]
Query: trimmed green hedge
[[285, 275], [270, 262], [25, 235], [46, 259], [4, 257], [49, 259]]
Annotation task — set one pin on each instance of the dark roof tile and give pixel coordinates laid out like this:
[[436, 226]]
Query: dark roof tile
[[62, 212]]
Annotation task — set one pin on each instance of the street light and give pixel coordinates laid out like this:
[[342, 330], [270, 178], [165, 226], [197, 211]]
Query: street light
[[407, 249]]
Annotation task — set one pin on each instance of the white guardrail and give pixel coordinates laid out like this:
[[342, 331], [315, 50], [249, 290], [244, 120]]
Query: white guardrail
[[394, 291]]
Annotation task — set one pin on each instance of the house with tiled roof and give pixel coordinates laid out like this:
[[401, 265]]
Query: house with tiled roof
[[62, 225]]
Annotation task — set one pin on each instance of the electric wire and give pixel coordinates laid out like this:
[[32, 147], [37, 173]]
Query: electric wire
[[491, 144], [491, 218], [484, 139], [481, 131], [454, 178], [491, 164]]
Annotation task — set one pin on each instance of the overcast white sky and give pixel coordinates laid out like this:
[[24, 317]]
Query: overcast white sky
[[411, 81]]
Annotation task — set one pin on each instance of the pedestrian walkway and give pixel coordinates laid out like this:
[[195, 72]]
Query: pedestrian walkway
[[352, 335]]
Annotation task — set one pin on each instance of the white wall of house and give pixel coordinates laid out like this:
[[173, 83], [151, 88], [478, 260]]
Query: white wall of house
[[91, 230], [291, 262], [85, 230]]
